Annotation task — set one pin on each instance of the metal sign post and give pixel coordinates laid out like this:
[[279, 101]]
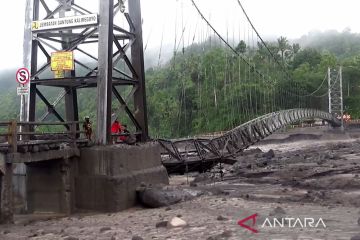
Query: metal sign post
[[23, 78], [27, 45]]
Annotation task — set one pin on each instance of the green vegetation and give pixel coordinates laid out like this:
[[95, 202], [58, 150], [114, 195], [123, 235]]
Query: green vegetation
[[208, 88]]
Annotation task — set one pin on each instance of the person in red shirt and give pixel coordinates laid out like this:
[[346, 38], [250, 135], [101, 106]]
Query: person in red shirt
[[115, 129]]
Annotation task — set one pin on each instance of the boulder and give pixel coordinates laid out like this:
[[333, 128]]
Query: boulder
[[176, 222], [221, 218], [104, 229], [155, 197], [269, 154], [161, 224]]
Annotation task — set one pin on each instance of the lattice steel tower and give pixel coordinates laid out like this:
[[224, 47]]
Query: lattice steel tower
[[105, 38], [335, 93]]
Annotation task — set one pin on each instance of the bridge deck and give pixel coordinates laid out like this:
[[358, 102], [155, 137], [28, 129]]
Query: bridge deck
[[32, 146], [41, 156], [198, 154]]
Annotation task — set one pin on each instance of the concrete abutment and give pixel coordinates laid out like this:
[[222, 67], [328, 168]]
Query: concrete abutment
[[6, 193], [103, 178]]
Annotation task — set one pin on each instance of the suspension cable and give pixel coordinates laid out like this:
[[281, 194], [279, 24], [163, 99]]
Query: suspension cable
[[310, 94], [216, 32], [271, 53], [257, 33], [330, 88], [227, 44]]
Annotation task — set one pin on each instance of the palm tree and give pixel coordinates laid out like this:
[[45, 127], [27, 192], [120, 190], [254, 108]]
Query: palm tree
[[283, 45], [295, 48]]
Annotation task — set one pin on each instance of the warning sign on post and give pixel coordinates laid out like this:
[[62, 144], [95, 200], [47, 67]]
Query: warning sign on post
[[61, 61], [22, 91], [59, 74]]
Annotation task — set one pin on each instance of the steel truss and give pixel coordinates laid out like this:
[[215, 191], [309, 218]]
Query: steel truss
[[335, 94], [201, 154], [113, 45]]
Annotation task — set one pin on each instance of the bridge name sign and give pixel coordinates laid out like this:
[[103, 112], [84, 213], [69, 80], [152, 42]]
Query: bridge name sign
[[65, 22]]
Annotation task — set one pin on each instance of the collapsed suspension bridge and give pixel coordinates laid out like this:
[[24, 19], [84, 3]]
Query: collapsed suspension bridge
[[253, 80]]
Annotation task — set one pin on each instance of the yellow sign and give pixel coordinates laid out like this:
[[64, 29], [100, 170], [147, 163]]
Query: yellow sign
[[35, 25], [62, 61], [59, 74]]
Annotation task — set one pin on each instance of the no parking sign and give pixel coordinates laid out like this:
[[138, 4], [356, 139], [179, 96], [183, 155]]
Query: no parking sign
[[23, 76]]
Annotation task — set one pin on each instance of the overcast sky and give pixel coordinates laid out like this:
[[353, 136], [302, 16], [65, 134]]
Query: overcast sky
[[291, 18]]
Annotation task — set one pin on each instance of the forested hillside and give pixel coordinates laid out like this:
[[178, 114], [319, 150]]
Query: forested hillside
[[9, 102], [197, 90], [342, 44]]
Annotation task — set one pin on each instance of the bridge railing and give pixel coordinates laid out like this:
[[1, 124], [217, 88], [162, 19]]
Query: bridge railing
[[6, 134], [14, 134]]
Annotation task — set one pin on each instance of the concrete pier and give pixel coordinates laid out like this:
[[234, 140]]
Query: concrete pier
[[109, 175], [50, 186], [6, 192]]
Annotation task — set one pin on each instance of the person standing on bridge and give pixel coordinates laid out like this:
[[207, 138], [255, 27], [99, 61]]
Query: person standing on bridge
[[115, 129], [125, 133], [87, 126], [127, 137]]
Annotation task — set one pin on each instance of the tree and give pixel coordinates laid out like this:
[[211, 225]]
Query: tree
[[241, 47], [308, 55], [295, 48], [284, 46]]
